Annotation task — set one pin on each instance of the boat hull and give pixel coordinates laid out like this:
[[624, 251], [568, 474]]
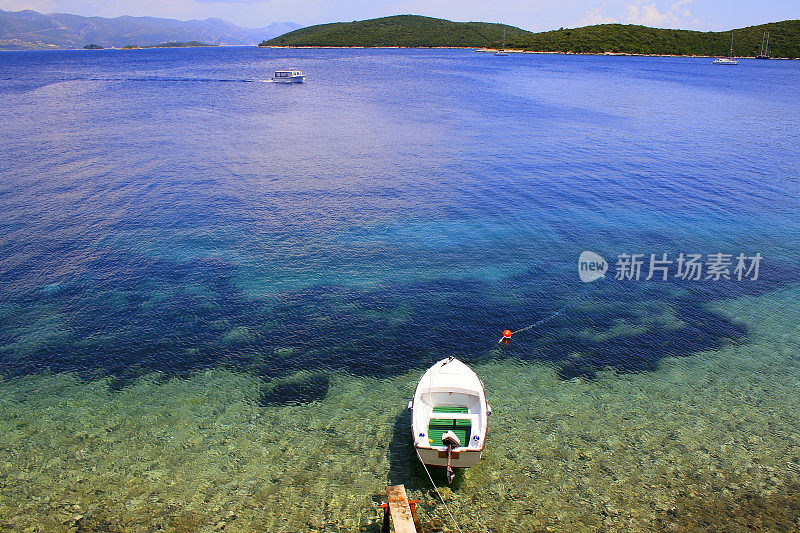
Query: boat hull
[[458, 459], [293, 79], [449, 399]]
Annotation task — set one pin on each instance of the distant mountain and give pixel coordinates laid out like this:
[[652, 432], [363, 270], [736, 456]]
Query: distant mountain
[[417, 31], [32, 30]]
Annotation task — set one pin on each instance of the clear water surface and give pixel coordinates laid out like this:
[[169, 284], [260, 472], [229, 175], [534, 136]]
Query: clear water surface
[[217, 293]]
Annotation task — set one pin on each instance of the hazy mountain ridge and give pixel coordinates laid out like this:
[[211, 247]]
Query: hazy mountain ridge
[[33, 30]]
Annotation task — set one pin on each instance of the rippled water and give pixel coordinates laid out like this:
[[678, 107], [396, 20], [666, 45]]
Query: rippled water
[[218, 293]]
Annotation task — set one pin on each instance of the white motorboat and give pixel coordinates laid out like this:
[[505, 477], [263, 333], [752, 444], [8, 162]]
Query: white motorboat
[[289, 76], [727, 60], [449, 416]]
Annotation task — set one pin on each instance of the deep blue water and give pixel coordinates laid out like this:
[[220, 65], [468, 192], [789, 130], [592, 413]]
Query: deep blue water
[[166, 211]]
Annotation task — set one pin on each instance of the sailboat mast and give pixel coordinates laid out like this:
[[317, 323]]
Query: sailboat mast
[[764, 46], [731, 44]]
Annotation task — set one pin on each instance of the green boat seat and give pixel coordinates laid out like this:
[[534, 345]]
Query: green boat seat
[[450, 409], [439, 426]]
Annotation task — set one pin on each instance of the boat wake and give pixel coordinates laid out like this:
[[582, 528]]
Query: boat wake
[[178, 80]]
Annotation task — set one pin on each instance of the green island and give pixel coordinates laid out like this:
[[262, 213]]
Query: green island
[[415, 31], [189, 44]]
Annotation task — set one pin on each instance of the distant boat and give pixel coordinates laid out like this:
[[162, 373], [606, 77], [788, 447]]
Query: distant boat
[[764, 49], [727, 60], [502, 51], [288, 76], [449, 416]]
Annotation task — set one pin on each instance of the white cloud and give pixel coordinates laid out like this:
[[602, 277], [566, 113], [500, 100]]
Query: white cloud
[[649, 15], [596, 16], [676, 15]]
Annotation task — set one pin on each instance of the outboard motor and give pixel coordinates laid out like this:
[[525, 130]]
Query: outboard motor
[[450, 440]]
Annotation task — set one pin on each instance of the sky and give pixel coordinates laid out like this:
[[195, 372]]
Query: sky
[[534, 15]]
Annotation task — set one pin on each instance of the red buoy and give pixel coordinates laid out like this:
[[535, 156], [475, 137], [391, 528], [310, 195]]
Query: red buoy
[[506, 333]]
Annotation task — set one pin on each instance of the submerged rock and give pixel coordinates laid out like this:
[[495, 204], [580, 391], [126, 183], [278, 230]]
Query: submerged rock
[[304, 388], [239, 335]]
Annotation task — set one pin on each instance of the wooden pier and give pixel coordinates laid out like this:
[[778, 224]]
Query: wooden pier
[[402, 510]]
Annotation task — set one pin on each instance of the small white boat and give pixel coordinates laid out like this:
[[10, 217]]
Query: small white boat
[[449, 416], [289, 76], [727, 60]]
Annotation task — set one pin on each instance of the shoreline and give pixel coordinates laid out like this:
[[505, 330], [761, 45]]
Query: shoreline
[[483, 50], [513, 51]]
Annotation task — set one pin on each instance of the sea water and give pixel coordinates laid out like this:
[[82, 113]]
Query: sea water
[[217, 294]]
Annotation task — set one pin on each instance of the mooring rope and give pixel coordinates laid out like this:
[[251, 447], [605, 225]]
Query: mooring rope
[[542, 321], [526, 328], [437, 491]]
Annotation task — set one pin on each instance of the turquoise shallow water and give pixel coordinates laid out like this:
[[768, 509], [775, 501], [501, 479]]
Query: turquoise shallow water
[[217, 293]]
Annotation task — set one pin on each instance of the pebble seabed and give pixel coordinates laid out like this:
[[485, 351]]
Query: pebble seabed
[[709, 442]]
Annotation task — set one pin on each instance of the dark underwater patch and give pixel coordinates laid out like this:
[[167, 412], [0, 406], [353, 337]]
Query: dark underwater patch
[[304, 389], [177, 318]]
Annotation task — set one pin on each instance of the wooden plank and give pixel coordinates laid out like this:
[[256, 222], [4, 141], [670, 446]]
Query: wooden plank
[[399, 508]]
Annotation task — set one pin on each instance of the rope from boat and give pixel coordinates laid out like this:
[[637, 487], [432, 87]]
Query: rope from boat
[[437, 491], [542, 321]]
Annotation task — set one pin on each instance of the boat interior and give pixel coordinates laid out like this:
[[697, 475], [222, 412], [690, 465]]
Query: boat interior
[[453, 411], [437, 426]]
